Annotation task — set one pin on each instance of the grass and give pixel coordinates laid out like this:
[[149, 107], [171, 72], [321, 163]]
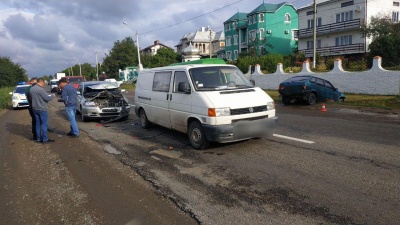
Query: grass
[[5, 98], [128, 87], [375, 101]]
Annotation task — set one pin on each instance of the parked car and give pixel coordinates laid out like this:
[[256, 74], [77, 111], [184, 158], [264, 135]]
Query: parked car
[[101, 100], [54, 85], [18, 97], [309, 89]]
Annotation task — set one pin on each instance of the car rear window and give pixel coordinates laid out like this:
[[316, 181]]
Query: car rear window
[[297, 79]]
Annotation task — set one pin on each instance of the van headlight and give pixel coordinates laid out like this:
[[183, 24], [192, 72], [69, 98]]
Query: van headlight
[[89, 104], [216, 112], [270, 105]]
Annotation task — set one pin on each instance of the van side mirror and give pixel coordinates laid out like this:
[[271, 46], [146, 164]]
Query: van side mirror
[[183, 87]]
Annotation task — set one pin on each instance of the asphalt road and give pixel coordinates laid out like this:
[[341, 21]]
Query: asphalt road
[[337, 167]]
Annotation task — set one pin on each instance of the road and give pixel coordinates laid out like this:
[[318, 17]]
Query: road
[[337, 167]]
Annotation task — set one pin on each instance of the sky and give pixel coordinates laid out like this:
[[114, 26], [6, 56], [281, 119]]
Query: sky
[[48, 36]]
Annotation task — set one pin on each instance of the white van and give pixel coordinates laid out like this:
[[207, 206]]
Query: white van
[[211, 103], [54, 85]]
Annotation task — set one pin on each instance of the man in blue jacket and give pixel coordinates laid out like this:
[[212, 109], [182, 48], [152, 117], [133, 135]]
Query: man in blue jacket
[[69, 97]]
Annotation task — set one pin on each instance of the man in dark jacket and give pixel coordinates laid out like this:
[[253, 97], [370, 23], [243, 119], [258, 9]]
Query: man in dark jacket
[[69, 97], [40, 100], [29, 98]]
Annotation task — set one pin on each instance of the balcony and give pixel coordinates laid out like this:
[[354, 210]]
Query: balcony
[[336, 50], [243, 45], [331, 28]]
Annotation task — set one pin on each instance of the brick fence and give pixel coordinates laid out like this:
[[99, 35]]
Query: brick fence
[[376, 81]]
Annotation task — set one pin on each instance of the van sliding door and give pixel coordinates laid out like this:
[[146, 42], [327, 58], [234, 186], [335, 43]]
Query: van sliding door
[[160, 98]]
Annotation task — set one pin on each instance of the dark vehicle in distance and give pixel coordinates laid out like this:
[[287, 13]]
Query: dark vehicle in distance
[[309, 89]]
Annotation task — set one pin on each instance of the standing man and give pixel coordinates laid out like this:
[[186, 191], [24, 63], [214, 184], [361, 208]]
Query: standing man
[[40, 101], [69, 97], [29, 98]]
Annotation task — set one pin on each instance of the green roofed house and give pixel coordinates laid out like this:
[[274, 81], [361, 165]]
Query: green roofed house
[[269, 28]]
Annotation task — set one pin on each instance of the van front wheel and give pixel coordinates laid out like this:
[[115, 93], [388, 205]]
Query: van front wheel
[[144, 122], [197, 136]]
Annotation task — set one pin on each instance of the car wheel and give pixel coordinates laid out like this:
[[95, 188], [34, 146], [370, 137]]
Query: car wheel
[[312, 99], [197, 136], [144, 122], [341, 100], [286, 100], [83, 118]]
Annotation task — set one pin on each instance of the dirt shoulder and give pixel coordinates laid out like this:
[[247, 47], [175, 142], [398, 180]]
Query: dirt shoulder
[[71, 181]]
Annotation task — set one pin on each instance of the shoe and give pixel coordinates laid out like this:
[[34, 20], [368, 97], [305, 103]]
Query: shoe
[[70, 134], [48, 141], [73, 136]]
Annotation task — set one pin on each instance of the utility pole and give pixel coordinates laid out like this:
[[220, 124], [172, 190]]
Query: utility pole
[[315, 34], [97, 68], [210, 41]]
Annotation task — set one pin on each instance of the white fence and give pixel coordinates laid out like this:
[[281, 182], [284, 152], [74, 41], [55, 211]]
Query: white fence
[[376, 81]]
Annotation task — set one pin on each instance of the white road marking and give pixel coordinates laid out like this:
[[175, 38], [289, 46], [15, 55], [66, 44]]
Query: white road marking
[[293, 139]]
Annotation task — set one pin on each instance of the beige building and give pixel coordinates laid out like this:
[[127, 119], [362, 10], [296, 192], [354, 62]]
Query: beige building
[[205, 40], [152, 49]]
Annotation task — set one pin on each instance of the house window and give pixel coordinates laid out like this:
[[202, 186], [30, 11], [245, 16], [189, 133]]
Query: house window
[[395, 16], [249, 20], [235, 40], [287, 17], [261, 17], [344, 40], [310, 13], [228, 55], [254, 18], [234, 25], [344, 16], [204, 47], [295, 34], [262, 50], [349, 3], [396, 4], [262, 34], [228, 41], [310, 23], [235, 54], [252, 35], [310, 44]]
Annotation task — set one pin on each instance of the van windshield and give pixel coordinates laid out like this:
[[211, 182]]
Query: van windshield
[[218, 78]]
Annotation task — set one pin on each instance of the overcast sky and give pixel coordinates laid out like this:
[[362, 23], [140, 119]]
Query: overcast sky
[[47, 36]]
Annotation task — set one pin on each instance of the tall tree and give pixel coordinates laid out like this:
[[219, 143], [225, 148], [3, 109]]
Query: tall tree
[[123, 54], [11, 73], [385, 36]]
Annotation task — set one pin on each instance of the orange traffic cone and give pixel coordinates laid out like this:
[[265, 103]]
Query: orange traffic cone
[[323, 109]]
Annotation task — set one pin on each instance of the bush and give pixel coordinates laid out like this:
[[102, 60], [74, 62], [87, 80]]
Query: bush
[[5, 97]]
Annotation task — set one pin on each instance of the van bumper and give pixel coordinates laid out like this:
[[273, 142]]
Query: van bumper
[[241, 130]]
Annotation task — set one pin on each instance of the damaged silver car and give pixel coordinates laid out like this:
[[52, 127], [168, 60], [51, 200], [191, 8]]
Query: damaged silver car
[[101, 100]]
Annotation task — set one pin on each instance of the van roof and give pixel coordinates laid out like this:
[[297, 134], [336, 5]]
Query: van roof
[[202, 61], [184, 67]]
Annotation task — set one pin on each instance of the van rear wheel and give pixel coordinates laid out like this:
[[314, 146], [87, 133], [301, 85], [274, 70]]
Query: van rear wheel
[[197, 137], [144, 122]]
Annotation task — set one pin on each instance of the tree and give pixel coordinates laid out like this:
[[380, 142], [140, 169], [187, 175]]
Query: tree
[[123, 54], [11, 73], [164, 57], [385, 40]]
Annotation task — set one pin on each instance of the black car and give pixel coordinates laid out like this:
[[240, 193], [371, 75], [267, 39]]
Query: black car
[[309, 89]]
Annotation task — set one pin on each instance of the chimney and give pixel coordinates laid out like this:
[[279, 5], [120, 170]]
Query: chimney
[[157, 42]]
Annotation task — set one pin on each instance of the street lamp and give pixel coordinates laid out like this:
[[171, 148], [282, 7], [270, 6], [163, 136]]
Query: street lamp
[[137, 45], [97, 66]]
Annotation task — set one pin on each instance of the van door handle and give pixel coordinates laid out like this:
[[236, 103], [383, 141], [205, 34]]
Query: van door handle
[[167, 97], [170, 97]]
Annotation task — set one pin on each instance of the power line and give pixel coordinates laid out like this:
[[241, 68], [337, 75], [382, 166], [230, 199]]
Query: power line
[[190, 18]]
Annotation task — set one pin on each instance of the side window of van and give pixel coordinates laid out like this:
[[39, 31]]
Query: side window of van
[[180, 76], [162, 81]]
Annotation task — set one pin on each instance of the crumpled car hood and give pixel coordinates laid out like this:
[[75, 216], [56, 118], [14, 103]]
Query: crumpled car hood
[[104, 86]]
